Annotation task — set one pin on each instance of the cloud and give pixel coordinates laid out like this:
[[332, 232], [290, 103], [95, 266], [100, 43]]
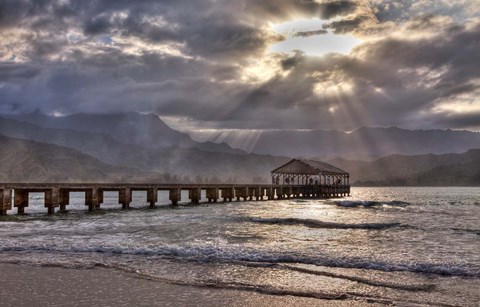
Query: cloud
[[210, 62], [311, 33]]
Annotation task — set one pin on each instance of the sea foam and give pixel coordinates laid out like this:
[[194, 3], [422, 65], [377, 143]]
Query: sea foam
[[211, 253]]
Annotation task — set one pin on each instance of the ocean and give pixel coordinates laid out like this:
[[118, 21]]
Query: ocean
[[394, 246]]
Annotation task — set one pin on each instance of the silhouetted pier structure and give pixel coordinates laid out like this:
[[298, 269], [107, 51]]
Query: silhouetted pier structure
[[57, 195], [295, 179]]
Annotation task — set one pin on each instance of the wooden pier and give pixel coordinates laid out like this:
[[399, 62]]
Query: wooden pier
[[57, 195]]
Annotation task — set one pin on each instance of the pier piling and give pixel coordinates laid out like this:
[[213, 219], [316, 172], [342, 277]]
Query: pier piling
[[20, 200], [5, 201], [57, 195], [64, 200], [175, 196], [152, 197], [194, 195], [52, 199], [125, 197], [92, 199]]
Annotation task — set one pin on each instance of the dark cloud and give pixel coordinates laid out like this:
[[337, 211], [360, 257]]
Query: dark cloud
[[347, 25], [457, 121], [311, 33], [97, 25], [338, 8], [14, 73], [209, 62]]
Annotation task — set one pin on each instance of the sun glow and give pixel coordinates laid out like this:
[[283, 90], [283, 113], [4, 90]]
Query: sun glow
[[311, 37], [330, 88]]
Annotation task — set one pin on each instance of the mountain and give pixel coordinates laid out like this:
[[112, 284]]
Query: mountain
[[364, 143], [175, 161], [101, 156], [28, 161], [147, 130], [420, 170]]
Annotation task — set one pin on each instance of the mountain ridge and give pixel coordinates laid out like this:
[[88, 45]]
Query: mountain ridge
[[368, 142], [177, 162], [132, 128], [428, 170]]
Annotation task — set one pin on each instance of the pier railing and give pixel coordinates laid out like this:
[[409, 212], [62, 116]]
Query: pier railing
[[57, 195]]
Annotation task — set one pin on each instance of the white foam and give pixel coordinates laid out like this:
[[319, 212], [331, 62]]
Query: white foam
[[228, 254]]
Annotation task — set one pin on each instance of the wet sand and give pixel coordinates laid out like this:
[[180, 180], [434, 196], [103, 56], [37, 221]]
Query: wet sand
[[22, 285]]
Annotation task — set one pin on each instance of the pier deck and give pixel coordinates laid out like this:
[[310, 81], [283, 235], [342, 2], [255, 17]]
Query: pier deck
[[57, 195]]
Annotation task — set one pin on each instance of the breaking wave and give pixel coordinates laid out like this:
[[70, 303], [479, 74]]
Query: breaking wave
[[370, 203], [213, 254], [467, 230], [320, 224]]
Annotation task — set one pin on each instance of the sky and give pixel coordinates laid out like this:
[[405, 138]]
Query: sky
[[246, 64]]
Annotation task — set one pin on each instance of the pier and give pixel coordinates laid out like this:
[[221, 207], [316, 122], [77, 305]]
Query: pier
[[295, 179], [57, 195]]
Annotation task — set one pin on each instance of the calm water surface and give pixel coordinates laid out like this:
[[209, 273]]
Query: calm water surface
[[406, 246]]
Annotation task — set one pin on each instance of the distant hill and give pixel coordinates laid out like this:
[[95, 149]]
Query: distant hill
[[421, 170], [176, 161], [364, 143], [146, 130], [103, 155], [28, 161]]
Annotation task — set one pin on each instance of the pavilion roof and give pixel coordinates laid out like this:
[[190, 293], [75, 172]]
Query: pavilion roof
[[308, 167]]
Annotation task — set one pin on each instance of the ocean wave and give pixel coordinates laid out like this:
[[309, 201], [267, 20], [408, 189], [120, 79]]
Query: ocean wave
[[311, 223], [366, 281], [467, 230], [370, 203], [210, 253]]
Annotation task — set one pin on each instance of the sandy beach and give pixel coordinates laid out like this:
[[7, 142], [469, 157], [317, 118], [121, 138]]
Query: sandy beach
[[24, 285]]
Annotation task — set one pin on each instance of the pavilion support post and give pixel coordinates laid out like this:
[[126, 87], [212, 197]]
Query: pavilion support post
[[269, 192], [228, 194], [250, 193], [52, 199], [175, 196], [258, 193], [288, 192], [20, 200], [152, 197], [297, 192], [238, 194]]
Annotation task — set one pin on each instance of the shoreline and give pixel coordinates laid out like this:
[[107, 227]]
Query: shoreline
[[30, 285]]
